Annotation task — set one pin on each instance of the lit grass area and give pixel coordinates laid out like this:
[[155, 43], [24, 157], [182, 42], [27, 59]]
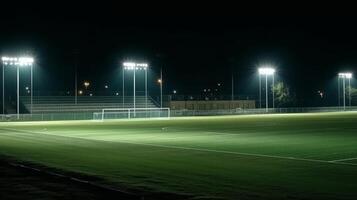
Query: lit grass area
[[303, 156]]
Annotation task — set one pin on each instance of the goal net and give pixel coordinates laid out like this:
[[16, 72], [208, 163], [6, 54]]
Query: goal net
[[131, 113]]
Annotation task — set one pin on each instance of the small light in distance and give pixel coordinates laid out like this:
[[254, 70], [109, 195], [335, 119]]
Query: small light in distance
[[86, 84]]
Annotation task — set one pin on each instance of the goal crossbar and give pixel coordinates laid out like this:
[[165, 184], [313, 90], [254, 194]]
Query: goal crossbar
[[134, 111]]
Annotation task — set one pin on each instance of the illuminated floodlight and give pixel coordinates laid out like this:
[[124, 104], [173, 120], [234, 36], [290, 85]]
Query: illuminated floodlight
[[136, 66], [129, 64], [142, 65], [19, 61], [266, 71], [345, 75], [25, 61]]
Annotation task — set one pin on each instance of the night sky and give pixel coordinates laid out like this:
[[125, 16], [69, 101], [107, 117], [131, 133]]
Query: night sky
[[195, 51]]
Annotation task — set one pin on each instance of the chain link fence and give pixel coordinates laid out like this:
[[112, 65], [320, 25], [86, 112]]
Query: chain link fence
[[259, 111], [48, 116], [174, 113]]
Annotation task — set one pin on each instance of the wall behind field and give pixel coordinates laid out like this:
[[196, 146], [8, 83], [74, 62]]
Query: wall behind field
[[211, 105]]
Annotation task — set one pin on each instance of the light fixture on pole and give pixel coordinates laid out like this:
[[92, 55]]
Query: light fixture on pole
[[134, 67], [344, 76], [18, 62], [267, 71], [159, 81]]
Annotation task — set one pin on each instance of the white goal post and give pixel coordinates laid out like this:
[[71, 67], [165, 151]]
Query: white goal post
[[130, 113]]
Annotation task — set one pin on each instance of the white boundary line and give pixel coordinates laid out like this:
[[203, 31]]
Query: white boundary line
[[199, 149], [346, 159]]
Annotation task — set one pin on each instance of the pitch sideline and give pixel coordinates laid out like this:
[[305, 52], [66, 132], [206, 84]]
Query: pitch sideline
[[338, 162]]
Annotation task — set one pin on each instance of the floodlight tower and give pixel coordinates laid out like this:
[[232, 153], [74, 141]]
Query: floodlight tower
[[3, 84], [136, 66], [267, 71], [344, 76], [18, 62]]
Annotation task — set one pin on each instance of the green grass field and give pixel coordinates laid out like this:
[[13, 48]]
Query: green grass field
[[297, 156]]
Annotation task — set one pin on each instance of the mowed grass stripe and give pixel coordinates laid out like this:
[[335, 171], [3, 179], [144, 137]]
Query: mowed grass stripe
[[272, 143], [294, 144], [104, 150], [340, 161]]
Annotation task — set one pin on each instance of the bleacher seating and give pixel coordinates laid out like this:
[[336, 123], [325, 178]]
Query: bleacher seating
[[54, 104]]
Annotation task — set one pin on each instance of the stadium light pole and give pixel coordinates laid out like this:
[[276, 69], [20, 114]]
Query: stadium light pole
[[273, 91], [267, 71], [19, 62], [232, 87], [76, 58], [146, 88], [3, 87], [260, 91], [123, 87], [136, 66], [31, 68], [339, 92], [349, 91], [161, 82], [344, 76]]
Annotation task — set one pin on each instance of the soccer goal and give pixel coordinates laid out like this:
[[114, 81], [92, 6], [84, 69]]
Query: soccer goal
[[132, 113]]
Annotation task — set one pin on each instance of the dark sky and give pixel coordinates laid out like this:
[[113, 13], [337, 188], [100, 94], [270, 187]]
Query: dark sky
[[196, 51]]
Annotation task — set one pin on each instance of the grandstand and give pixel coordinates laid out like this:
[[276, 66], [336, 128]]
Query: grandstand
[[60, 104]]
